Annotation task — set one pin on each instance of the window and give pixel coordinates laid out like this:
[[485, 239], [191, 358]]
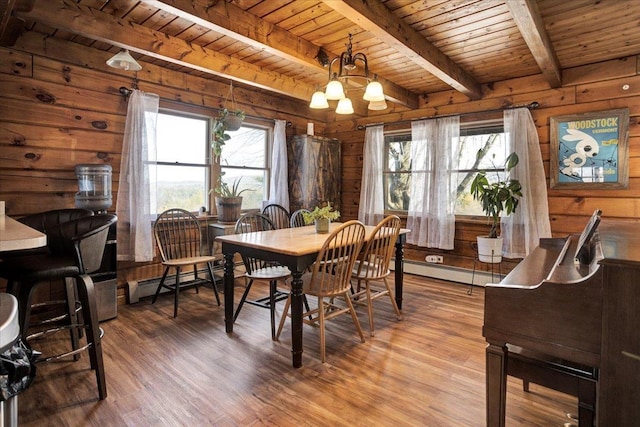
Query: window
[[397, 173], [397, 161], [184, 165], [183, 161], [244, 158]]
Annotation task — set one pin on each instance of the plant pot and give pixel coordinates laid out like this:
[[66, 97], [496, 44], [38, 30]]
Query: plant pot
[[322, 225], [232, 122], [490, 249], [229, 209]]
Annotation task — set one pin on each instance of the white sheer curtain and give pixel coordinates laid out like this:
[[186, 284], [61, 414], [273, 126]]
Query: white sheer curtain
[[371, 208], [523, 229], [279, 181], [136, 192], [431, 215]]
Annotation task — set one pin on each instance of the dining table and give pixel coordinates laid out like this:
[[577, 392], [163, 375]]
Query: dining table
[[295, 248]]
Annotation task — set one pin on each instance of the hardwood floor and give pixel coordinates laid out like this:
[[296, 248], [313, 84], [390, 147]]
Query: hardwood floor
[[426, 370]]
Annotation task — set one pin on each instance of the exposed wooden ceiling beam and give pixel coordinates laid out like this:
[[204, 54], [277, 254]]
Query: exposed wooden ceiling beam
[[374, 17], [6, 7], [230, 20], [94, 24], [10, 26], [527, 17]]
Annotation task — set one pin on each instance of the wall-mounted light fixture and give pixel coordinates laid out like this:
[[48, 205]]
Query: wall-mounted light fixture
[[348, 63], [124, 61]]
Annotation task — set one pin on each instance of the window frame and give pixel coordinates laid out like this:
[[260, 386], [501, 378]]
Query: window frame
[[268, 148], [212, 165], [386, 171], [466, 128], [207, 165]]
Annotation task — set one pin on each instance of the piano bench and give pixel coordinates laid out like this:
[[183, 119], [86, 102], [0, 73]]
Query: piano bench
[[560, 375]]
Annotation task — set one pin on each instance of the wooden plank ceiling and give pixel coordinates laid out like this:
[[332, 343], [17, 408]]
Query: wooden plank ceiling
[[416, 47]]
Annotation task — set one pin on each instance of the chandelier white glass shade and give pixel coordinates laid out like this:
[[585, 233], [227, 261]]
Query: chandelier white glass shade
[[378, 105], [319, 100], [344, 106], [373, 92], [335, 91], [124, 61]]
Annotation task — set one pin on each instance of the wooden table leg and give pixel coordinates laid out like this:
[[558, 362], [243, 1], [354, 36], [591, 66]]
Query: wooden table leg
[[229, 279], [399, 270], [296, 318]]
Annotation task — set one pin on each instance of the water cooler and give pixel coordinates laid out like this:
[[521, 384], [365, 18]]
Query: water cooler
[[94, 193]]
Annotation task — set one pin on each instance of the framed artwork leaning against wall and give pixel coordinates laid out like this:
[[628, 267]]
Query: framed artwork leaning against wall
[[590, 150]]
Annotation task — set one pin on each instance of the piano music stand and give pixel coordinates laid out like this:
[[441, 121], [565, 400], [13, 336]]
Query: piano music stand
[[474, 245]]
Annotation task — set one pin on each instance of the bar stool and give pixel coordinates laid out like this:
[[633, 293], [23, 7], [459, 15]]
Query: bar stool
[[44, 221], [76, 251]]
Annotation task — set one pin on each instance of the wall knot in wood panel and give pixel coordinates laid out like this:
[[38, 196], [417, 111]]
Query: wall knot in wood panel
[[99, 124], [45, 97], [19, 141]]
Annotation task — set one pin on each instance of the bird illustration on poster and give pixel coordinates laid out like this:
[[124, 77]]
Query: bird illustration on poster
[[583, 159]]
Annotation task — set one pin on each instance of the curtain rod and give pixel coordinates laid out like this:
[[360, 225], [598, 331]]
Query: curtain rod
[[531, 106], [124, 91]]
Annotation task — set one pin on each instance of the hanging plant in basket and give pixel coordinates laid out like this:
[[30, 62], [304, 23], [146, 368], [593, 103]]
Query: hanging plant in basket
[[228, 119]]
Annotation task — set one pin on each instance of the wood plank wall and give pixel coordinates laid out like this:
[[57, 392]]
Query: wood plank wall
[[60, 106], [595, 87]]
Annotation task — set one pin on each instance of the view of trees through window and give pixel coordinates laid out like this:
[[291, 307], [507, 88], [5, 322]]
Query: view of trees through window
[[184, 163], [244, 161], [397, 173]]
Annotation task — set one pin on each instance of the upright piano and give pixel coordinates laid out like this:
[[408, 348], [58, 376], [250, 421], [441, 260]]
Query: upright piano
[[583, 313]]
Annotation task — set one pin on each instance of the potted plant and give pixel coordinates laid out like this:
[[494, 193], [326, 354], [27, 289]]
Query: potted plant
[[496, 196], [226, 120], [321, 217], [233, 119], [228, 200]]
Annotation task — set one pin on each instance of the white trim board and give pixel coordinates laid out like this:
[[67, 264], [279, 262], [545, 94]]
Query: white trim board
[[147, 287], [453, 274]]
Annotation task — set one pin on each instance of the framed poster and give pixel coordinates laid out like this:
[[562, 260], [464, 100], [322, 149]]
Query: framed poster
[[590, 150]]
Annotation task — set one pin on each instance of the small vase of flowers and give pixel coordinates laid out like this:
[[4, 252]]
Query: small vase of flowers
[[322, 217]]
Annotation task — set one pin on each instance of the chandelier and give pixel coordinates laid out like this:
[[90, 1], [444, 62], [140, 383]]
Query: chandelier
[[348, 69]]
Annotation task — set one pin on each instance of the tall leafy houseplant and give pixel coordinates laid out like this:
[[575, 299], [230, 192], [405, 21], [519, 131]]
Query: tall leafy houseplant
[[496, 196], [499, 195]]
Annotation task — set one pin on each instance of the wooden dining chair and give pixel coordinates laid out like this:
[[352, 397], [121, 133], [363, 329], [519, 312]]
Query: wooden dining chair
[[277, 214], [257, 269], [297, 219], [373, 266], [179, 239], [329, 280]]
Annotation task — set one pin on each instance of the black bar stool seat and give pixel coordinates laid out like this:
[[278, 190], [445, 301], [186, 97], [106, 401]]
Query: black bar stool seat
[[76, 249]]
